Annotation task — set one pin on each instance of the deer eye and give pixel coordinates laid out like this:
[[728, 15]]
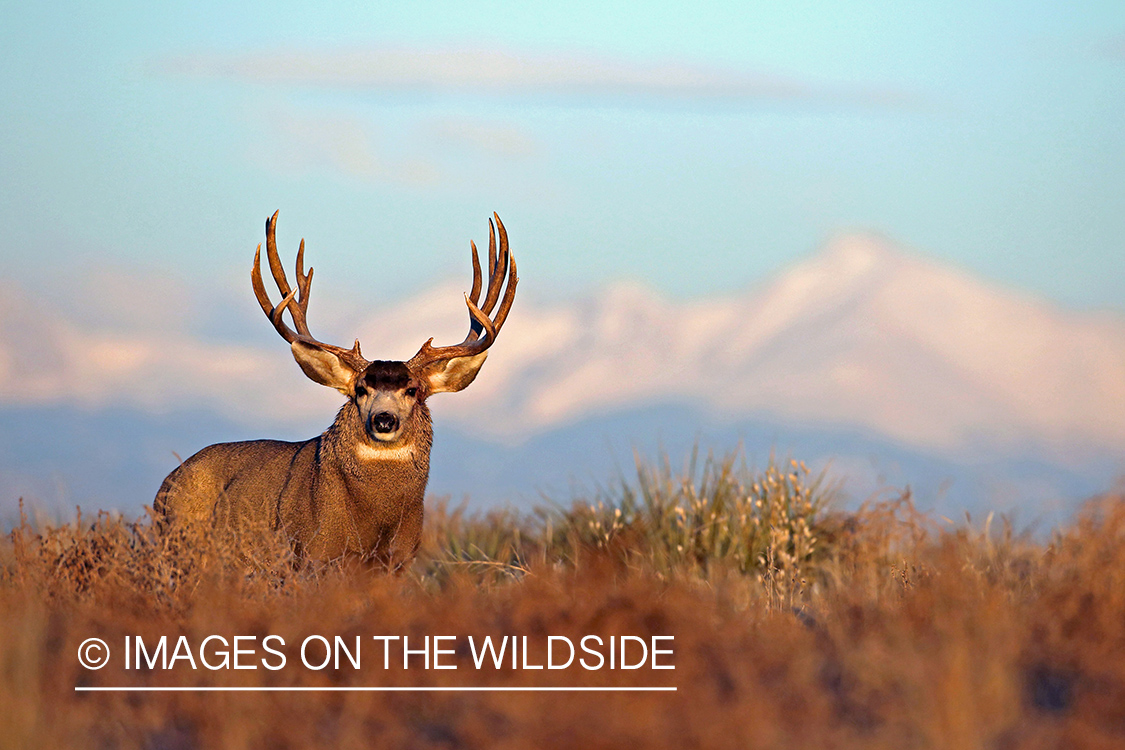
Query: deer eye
[[360, 391], [412, 392]]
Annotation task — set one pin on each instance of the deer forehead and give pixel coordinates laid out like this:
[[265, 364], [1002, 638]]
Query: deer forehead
[[386, 376]]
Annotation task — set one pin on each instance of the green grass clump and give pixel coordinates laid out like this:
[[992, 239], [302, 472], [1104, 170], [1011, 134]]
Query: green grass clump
[[717, 515]]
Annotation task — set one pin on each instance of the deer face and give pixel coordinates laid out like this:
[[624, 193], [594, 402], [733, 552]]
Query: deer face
[[386, 395]]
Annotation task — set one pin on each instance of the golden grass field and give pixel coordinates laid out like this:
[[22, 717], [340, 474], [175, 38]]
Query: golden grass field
[[795, 625]]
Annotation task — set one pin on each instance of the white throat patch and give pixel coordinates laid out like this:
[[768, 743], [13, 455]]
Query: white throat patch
[[368, 452]]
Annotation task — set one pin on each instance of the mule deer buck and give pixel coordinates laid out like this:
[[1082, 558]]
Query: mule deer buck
[[356, 489]]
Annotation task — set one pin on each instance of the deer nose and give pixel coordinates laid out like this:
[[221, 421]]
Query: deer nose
[[384, 422]]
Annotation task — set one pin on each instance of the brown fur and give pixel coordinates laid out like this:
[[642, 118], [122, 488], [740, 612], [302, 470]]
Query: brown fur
[[317, 492]]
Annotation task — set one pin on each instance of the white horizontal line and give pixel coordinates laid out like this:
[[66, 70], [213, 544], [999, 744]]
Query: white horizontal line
[[366, 689]]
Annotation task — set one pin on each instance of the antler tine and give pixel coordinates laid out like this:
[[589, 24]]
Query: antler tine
[[491, 249], [483, 329], [509, 296], [274, 259], [505, 253], [498, 265], [297, 306], [474, 295], [506, 265], [474, 327], [273, 313]]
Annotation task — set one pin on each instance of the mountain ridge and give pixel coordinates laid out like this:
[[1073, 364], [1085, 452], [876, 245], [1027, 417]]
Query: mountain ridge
[[861, 333], [862, 348]]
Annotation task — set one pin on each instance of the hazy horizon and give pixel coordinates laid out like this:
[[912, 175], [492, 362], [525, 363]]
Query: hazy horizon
[[696, 154]]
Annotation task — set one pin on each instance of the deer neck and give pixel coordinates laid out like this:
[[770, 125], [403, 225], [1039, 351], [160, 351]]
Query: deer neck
[[346, 445]]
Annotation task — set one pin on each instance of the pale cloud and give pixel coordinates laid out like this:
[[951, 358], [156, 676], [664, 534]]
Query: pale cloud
[[863, 336], [508, 73], [301, 142], [489, 138], [109, 296], [47, 358]]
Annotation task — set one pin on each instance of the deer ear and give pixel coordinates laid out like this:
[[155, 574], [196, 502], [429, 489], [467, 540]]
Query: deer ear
[[453, 374], [324, 367]]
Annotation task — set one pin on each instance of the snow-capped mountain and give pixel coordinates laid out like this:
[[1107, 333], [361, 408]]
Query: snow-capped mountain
[[865, 354], [864, 334]]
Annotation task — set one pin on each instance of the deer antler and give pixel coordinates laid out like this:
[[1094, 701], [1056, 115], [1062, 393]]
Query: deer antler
[[296, 305], [482, 328]]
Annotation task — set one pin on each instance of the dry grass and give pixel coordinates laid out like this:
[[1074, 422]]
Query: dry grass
[[794, 626]]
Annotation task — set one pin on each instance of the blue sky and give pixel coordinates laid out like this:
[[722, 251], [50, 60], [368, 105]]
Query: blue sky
[[698, 149], [156, 138]]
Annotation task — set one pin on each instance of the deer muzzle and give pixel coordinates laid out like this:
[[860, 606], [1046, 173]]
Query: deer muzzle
[[384, 423]]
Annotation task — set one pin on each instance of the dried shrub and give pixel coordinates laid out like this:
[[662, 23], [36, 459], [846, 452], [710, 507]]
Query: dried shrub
[[795, 624]]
